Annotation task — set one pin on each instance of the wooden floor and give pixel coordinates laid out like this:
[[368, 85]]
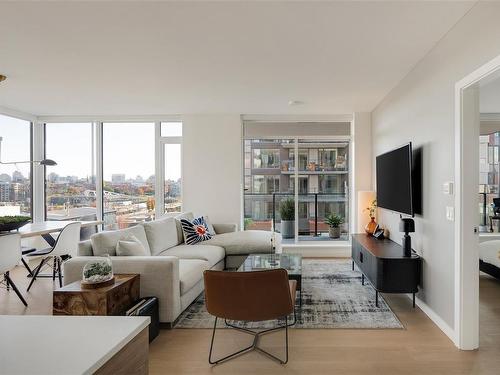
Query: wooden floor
[[421, 348]]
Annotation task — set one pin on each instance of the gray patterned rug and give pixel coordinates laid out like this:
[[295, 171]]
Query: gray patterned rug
[[332, 297]]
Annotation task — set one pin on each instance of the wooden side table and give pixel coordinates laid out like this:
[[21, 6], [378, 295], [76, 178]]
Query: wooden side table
[[114, 299]]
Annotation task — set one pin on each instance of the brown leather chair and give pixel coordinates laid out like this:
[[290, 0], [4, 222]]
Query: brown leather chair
[[250, 297]]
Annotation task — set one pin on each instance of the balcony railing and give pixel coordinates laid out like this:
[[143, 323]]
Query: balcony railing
[[311, 222]]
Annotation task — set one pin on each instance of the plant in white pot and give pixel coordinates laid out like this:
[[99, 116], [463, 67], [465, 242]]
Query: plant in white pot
[[287, 213], [334, 221]]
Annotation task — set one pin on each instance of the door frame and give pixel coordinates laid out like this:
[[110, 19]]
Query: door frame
[[466, 325]]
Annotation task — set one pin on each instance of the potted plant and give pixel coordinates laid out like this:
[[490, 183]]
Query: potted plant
[[334, 221], [287, 213], [8, 223]]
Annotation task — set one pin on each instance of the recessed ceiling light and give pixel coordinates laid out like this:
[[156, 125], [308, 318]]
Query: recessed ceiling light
[[2, 78], [295, 102]]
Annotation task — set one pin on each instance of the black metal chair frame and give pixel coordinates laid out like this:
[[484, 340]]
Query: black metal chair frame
[[9, 283], [56, 266], [254, 345]]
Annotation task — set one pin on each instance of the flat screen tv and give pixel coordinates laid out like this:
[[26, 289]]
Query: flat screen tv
[[394, 180]]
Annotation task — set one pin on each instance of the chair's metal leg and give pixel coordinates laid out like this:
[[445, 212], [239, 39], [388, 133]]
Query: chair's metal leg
[[286, 345], [286, 340], [54, 265], [212, 343], [239, 352], [59, 273], [6, 276], [14, 287], [30, 274], [255, 343], [37, 271]]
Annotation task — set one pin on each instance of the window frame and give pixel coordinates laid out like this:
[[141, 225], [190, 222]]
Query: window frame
[[38, 139], [30, 123]]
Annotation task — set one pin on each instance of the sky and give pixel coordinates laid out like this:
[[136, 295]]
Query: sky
[[127, 148]]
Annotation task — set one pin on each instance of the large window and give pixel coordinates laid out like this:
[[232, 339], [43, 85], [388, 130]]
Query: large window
[[15, 179], [171, 133], [128, 173], [319, 168], [70, 191]]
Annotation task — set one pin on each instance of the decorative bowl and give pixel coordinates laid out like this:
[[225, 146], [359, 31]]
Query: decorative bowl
[[98, 273]]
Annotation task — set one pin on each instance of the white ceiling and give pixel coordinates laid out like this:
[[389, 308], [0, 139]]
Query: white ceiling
[[238, 57]]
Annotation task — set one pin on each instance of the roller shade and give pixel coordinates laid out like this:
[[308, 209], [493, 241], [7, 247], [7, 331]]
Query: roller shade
[[252, 129]]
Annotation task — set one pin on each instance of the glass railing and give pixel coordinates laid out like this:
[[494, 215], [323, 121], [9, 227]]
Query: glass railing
[[313, 209]]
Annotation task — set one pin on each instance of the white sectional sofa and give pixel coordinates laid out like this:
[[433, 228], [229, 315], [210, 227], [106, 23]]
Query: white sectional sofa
[[173, 272]]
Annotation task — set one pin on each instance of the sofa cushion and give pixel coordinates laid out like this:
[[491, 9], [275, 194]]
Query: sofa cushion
[[212, 254], [184, 215], [243, 242], [130, 246], [105, 242], [161, 234], [191, 272]]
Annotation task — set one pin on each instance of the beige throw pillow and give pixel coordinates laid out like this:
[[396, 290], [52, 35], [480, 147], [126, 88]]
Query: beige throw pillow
[[130, 246]]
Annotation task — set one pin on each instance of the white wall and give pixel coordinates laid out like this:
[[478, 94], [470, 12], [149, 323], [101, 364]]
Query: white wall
[[361, 134], [212, 165], [421, 109]]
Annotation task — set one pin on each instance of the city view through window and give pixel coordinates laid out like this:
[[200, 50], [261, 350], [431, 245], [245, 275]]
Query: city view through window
[[128, 162], [15, 180]]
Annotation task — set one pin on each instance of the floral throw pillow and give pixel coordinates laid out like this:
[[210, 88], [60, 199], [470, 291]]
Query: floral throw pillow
[[195, 231]]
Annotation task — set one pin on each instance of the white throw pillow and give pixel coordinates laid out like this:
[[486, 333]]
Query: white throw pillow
[[161, 234], [130, 246]]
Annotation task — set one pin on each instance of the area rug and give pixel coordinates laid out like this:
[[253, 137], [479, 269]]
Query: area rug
[[332, 297]]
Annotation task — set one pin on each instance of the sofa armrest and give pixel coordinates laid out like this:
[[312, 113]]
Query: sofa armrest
[[159, 277], [225, 228], [85, 248]]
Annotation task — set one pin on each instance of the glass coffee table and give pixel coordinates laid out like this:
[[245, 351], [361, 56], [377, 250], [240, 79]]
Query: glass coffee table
[[292, 263]]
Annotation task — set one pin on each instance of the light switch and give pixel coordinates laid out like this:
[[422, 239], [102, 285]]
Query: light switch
[[450, 213], [448, 188]]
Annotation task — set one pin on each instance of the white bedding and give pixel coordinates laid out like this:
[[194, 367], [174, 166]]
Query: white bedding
[[489, 252]]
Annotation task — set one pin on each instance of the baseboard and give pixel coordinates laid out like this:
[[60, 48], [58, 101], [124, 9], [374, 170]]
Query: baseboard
[[441, 324]]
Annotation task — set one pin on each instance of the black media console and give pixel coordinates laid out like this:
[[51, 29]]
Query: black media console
[[383, 264]]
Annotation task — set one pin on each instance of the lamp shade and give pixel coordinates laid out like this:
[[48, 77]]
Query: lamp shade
[[365, 199], [48, 162]]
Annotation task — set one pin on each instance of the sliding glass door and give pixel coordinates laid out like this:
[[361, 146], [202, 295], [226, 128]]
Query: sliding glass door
[[305, 178]]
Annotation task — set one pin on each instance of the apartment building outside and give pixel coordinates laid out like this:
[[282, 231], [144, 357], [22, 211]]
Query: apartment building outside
[[323, 178]]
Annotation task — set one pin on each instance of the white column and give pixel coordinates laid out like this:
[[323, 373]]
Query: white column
[[99, 173], [361, 163], [38, 177], [159, 172]]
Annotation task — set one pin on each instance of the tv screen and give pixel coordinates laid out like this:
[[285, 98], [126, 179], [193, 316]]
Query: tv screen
[[394, 185]]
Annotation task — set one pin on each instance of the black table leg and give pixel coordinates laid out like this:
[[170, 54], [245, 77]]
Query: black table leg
[[353, 265], [376, 298], [49, 239], [413, 300], [362, 279]]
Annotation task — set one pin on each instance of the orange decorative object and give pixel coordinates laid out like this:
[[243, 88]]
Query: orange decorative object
[[371, 226]]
